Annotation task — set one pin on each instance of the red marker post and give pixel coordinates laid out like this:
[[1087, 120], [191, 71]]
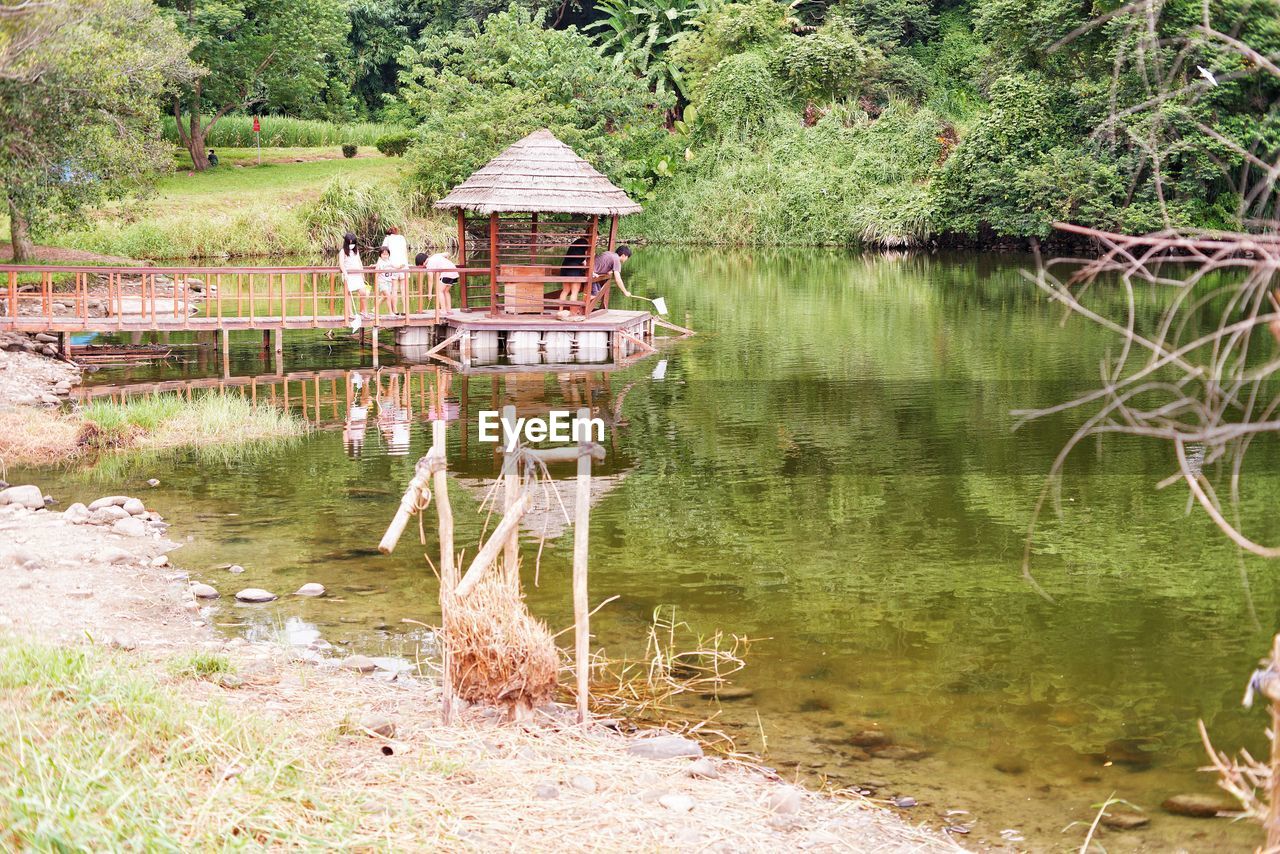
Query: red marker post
[[257, 140]]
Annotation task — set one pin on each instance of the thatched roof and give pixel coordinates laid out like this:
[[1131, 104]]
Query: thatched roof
[[539, 174]]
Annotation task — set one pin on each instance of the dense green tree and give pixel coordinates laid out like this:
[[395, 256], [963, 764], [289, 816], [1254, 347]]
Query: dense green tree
[[254, 52], [79, 84], [473, 91]]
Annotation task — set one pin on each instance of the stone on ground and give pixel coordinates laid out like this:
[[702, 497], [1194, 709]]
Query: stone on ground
[[676, 802], [378, 723], [664, 747], [786, 800], [583, 783], [107, 515], [130, 527], [76, 514], [108, 501], [134, 507], [203, 591], [27, 496], [703, 768], [359, 663], [546, 792]]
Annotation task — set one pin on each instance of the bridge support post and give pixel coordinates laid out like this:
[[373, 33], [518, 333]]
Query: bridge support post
[[226, 351], [62, 345], [375, 346]]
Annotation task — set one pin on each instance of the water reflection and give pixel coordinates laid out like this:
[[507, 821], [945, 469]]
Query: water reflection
[[829, 467]]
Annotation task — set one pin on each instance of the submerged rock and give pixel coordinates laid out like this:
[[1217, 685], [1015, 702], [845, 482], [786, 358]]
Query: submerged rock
[[1124, 820], [900, 753], [1198, 806], [255, 594], [664, 747], [870, 738]]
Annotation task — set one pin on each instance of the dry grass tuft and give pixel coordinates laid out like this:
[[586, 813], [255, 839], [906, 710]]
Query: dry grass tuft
[[37, 437], [499, 654]]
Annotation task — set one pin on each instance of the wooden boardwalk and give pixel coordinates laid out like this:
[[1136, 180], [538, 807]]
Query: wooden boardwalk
[[62, 300]]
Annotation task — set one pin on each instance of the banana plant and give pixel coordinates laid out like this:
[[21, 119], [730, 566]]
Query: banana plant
[[637, 33]]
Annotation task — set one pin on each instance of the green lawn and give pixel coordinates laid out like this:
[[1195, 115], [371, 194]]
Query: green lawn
[[231, 211]]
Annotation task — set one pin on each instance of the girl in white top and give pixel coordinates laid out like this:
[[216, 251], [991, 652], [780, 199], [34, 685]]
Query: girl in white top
[[395, 243], [442, 274], [353, 278]]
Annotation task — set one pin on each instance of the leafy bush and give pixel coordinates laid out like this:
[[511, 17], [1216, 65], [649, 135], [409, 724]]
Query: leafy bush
[[724, 30], [394, 144], [831, 63], [740, 96], [348, 149], [367, 210]]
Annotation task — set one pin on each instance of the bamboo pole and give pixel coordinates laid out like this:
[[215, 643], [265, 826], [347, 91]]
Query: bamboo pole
[[581, 533], [567, 454], [409, 502], [493, 546], [448, 572], [511, 488]]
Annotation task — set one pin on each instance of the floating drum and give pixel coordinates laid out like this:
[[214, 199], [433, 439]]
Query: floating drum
[[593, 341], [485, 340], [559, 346], [523, 341]]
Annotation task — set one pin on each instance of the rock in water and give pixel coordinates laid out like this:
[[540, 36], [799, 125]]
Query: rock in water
[[869, 738], [1198, 806], [134, 507], [203, 591], [255, 594], [130, 527], [310, 589], [153, 482], [1124, 820], [28, 496], [664, 747]]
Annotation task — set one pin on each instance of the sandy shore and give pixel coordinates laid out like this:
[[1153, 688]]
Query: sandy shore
[[478, 784]]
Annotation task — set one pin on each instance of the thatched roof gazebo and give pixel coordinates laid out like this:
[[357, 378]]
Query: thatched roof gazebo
[[529, 224]]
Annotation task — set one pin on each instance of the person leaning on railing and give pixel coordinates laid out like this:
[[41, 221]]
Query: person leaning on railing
[[442, 273]]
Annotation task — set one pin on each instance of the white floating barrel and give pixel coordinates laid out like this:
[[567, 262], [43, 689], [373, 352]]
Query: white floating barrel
[[523, 341], [593, 341], [559, 346], [484, 340]]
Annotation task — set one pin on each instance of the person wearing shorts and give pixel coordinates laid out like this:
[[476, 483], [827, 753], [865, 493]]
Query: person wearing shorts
[[386, 280], [443, 275]]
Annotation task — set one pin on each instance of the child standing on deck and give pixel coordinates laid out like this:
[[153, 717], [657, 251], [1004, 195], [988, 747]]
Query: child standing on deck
[[386, 279], [353, 279]]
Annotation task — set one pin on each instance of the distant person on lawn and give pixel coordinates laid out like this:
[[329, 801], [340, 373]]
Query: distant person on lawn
[[213, 158], [353, 279]]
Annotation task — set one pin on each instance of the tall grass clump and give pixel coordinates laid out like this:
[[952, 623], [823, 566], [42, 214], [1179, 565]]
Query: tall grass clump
[[367, 211], [164, 421], [285, 132], [260, 230]]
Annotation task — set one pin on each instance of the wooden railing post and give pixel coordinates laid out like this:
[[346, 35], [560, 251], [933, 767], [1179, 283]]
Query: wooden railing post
[[493, 265]]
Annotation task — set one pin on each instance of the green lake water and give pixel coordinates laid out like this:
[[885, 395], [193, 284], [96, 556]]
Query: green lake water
[[829, 468]]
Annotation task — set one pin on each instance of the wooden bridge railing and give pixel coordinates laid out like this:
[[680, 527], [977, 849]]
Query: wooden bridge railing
[[38, 298]]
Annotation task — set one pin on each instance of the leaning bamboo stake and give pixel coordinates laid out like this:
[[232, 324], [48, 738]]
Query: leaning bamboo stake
[[581, 526], [415, 499], [493, 546], [511, 488]]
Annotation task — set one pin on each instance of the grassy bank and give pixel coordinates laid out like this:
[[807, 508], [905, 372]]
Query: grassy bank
[[236, 211], [223, 426], [95, 753]]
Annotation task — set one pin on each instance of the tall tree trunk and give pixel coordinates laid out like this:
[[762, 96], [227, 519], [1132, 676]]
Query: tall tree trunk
[[193, 136], [24, 251]]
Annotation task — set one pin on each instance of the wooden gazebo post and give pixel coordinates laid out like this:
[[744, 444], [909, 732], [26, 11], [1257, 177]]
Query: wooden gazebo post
[[493, 265], [462, 259]]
